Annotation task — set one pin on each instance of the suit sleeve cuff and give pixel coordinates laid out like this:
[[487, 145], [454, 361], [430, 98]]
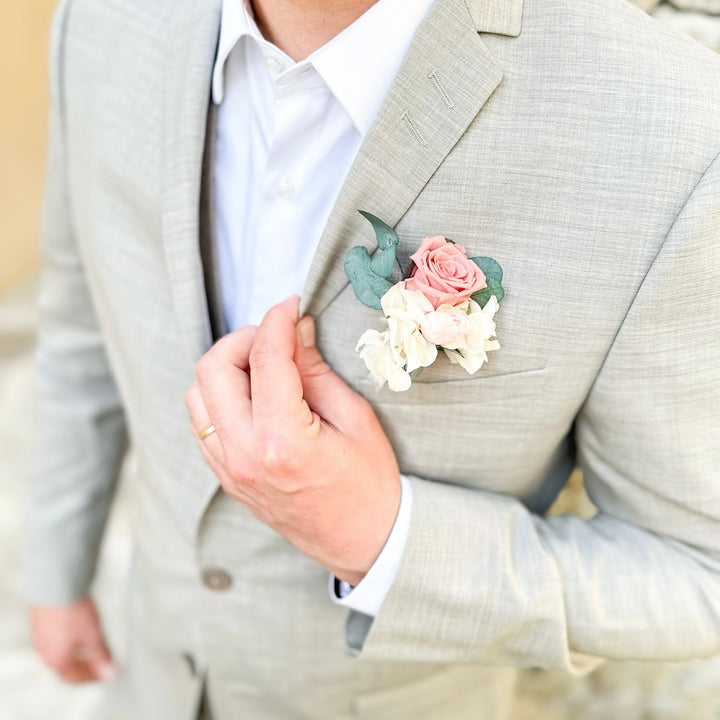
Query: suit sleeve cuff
[[368, 595]]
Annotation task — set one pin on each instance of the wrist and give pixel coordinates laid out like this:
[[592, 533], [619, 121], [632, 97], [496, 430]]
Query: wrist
[[373, 541], [368, 595]]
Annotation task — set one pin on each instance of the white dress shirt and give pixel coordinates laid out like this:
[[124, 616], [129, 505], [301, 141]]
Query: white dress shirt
[[287, 135]]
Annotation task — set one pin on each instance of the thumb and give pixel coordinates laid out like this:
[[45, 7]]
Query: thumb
[[324, 391]]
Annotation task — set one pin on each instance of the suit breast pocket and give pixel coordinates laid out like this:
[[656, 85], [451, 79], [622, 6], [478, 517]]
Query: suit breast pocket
[[466, 390], [473, 431]]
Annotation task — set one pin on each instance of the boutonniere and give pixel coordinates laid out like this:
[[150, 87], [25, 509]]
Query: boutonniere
[[446, 302]]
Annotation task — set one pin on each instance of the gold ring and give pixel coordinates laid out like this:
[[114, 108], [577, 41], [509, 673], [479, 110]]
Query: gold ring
[[207, 432]]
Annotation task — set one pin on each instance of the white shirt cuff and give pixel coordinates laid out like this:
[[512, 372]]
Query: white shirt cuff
[[368, 595]]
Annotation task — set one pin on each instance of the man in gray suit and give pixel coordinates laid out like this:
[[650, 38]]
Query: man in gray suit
[[575, 142]]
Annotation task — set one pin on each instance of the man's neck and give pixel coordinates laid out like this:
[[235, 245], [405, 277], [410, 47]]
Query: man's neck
[[299, 27]]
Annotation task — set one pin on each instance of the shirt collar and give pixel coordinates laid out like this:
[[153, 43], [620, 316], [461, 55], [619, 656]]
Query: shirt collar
[[236, 21], [358, 65]]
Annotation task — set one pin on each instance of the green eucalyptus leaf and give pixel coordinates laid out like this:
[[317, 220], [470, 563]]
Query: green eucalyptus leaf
[[490, 267], [383, 261], [369, 287], [494, 287], [386, 236]]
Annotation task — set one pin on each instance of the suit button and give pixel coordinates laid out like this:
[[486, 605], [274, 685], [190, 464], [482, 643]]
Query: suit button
[[216, 579]]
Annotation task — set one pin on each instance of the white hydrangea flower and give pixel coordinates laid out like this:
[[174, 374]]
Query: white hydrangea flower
[[478, 340], [447, 326], [415, 331], [377, 354], [393, 354]]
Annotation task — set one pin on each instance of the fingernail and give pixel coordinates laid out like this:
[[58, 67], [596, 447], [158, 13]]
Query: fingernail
[[292, 303], [306, 328], [107, 671]]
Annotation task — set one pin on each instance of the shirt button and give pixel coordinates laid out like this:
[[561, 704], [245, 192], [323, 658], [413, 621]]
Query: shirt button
[[273, 64], [284, 189], [216, 579]]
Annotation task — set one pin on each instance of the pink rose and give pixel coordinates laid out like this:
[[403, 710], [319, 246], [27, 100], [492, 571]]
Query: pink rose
[[444, 273], [445, 328]]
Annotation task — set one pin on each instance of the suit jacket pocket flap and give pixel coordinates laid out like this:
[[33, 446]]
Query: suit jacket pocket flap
[[483, 389]]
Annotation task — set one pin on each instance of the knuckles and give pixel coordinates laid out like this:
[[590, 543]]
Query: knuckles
[[278, 453], [278, 458], [190, 396], [239, 470], [272, 459], [204, 367], [232, 348]]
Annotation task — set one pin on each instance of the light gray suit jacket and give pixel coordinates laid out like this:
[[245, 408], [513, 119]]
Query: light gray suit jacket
[[576, 141]]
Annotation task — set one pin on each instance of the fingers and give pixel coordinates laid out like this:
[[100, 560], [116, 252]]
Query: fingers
[[88, 662], [200, 422], [69, 640], [76, 671], [223, 398], [97, 655], [277, 391], [326, 393], [230, 352], [199, 418]]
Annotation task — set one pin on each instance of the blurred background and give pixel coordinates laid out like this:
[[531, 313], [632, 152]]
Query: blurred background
[[631, 691], [24, 28]]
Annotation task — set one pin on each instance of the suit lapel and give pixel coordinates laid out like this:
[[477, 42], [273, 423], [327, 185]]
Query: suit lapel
[[445, 79], [207, 229], [193, 29]]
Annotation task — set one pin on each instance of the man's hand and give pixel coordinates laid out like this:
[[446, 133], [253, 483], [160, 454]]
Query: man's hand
[[294, 444], [69, 640]]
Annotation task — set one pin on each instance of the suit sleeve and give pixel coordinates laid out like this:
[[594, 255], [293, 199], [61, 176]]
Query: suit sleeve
[[79, 434], [482, 580]]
